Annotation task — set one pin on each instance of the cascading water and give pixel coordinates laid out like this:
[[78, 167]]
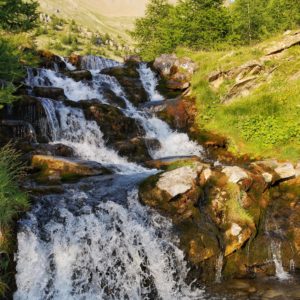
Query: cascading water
[[150, 82], [96, 241]]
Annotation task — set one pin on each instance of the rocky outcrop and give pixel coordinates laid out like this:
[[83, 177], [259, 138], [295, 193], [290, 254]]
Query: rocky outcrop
[[288, 41], [176, 71], [129, 78], [55, 168], [224, 211]]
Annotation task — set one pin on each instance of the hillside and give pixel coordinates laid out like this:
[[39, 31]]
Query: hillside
[[251, 96], [107, 16]]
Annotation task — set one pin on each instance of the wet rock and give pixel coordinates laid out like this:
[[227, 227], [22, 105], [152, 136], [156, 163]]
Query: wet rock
[[49, 92], [50, 149], [235, 174], [178, 181], [113, 99], [28, 109], [129, 78], [79, 75], [57, 168], [75, 60], [51, 61], [176, 71]]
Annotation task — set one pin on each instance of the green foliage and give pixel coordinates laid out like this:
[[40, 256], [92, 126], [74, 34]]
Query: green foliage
[[208, 25], [193, 23], [18, 15], [12, 203]]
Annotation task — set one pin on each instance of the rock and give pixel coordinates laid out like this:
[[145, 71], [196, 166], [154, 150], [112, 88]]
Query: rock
[[176, 71], [134, 149], [287, 42], [28, 109], [75, 60], [297, 169], [51, 61], [236, 238], [120, 132], [235, 174], [178, 181], [285, 170], [79, 75], [113, 99], [129, 79], [49, 92], [282, 170], [267, 177], [51, 150], [57, 168], [165, 162], [132, 59], [16, 130]]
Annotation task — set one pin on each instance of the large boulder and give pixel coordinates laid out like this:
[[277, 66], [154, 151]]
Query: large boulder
[[176, 71], [79, 75], [129, 79], [55, 168]]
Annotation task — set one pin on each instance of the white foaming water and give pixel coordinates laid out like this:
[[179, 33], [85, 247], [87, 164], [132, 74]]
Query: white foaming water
[[219, 268], [150, 82], [108, 252], [84, 137], [69, 66], [281, 274], [74, 91], [97, 63]]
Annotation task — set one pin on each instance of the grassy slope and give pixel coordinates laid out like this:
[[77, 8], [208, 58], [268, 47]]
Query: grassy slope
[[266, 123]]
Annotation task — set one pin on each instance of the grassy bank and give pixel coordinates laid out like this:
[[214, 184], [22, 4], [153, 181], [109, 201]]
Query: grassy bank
[[12, 203], [264, 123]]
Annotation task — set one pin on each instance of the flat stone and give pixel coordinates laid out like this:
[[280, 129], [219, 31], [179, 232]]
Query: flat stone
[[57, 166], [285, 170], [235, 174], [178, 181]]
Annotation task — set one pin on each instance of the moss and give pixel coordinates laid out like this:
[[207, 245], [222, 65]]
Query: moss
[[235, 212]]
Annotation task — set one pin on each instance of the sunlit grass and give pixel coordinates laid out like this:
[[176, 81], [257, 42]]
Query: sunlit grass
[[264, 124]]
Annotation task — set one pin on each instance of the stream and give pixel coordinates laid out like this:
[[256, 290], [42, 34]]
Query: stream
[[96, 241]]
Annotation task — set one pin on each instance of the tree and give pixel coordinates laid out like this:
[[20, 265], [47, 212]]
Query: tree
[[17, 15]]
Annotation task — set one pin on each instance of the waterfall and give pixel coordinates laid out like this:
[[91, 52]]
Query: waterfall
[[97, 63], [281, 274], [85, 137], [150, 82], [102, 251], [96, 241], [219, 267]]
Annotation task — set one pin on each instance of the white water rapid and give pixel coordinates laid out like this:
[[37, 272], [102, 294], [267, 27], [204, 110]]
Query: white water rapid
[[95, 241]]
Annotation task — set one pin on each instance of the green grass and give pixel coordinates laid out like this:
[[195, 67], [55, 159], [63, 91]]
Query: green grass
[[265, 123], [12, 203]]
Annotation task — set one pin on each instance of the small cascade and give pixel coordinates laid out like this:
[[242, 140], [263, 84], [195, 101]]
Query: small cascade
[[97, 63], [281, 274], [52, 120], [219, 268], [104, 250], [150, 82], [85, 137], [69, 66]]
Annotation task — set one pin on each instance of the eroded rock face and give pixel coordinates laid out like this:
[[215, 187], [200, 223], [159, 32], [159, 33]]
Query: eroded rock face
[[228, 210], [176, 71]]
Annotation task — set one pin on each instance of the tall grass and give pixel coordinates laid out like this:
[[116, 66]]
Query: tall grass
[[265, 123], [12, 203]]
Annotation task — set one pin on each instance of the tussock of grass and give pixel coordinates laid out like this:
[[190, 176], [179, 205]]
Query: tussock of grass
[[235, 211], [12, 203], [265, 123]]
